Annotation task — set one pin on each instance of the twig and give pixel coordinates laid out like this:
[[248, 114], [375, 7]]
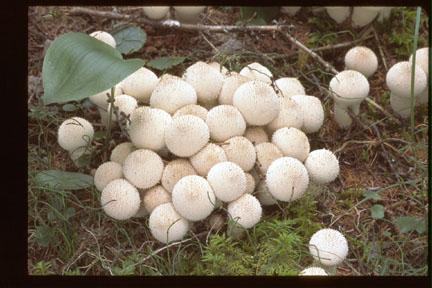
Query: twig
[[380, 49], [211, 44]]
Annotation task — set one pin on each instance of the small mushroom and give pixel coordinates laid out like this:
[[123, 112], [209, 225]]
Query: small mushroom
[[256, 71], [290, 115], [124, 104], [192, 109], [241, 151], [206, 158], [120, 199], [101, 99], [363, 15], [143, 168], [105, 37], [328, 246], [74, 133], [140, 84], [188, 14], [250, 183], [290, 10], [266, 153], [313, 271], [292, 142], [245, 211], [263, 195], [166, 224], [156, 12], [225, 121], [313, 112], [422, 59], [338, 13], [174, 171], [289, 86], [227, 180], [256, 134], [107, 172], [154, 197], [361, 59], [121, 151], [229, 86]]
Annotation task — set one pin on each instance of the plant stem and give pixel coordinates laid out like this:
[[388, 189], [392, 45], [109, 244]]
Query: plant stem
[[108, 134], [416, 31]]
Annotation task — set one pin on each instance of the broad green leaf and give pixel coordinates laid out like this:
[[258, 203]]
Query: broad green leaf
[[265, 13], [77, 66], [377, 211], [44, 235], [64, 180], [371, 195], [409, 223], [164, 63], [69, 212], [129, 39]]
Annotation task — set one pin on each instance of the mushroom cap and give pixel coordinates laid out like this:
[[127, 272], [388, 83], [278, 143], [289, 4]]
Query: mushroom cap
[[292, 142], [398, 79], [121, 151], [290, 10], [188, 14], [241, 151], [107, 172], [75, 132], [422, 59], [206, 158], [289, 86], [266, 153], [193, 197], [120, 199], [290, 115], [171, 94], [338, 13], [287, 179], [256, 135], [257, 101], [147, 127], [322, 166], [206, 80], [363, 15], [166, 224], [124, 103], [222, 69], [361, 59], [186, 135], [256, 71], [349, 87], [105, 37], [143, 168], [154, 197], [245, 210], [156, 12], [229, 86], [312, 271], [313, 112], [192, 109], [101, 99], [140, 84], [263, 195], [142, 212], [174, 171], [250, 183], [328, 246], [225, 121], [227, 180]]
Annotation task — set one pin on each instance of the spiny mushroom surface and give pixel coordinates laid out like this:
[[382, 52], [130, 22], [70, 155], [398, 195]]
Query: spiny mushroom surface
[[292, 142], [245, 211], [143, 168], [322, 166], [192, 109], [266, 153], [154, 197], [361, 59], [312, 271], [207, 157], [75, 132], [229, 86], [225, 121], [166, 224], [256, 71], [105, 37], [313, 112], [120, 199], [241, 151], [227, 180], [290, 115], [289, 86], [250, 183], [363, 15], [107, 172], [174, 171], [121, 151], [123, 103], [422, 59], [256, 134], [328, 246], [140, 84]]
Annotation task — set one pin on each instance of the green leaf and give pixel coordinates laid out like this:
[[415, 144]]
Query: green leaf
[[377, 211], [44, 235], [371, 195], [164, 63], [64, 180], [266, 13], [410, 223], [77, 66], [99, 134], [129, 39], [69, 212]]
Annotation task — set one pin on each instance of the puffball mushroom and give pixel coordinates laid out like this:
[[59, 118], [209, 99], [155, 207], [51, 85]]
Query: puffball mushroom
[[107, 172], [257, 102], [188, 14], [154, 197], [266, 153], [328, 246], [338, 13], [256, 71], [241, 151], [225, 121], [263, 195], [398, 80], [142, 212], [290, 115], [289, 86], [287, 179], [147, 127], [171, 94], [192, 109], [363, 15], [75, 132], [101, 99], [193, 198], [120, 199], [322, 166], [222, 69], [140, 84], [313, 271], [422, 59], [143, 168], [186, 135], [245, 211], [292, 142], [206, 158], [256, 135], [348, 89], [206, 80], [156, 12], [313, 112], [105, 37], [166, 224], [384, 13], [361, 59], [174, 171], [227, 180], [290, 10], [121, 151], [124, 103], [229, 86], [250, 183]]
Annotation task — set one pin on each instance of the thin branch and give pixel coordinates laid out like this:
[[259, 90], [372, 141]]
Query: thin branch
[[380, 49]]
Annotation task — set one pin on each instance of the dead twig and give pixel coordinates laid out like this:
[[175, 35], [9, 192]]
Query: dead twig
[[380, 49]]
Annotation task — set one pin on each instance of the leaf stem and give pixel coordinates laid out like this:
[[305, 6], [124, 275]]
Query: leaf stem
[[108, 134], [416, 32]]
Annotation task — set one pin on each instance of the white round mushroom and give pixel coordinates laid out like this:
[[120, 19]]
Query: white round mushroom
[[229, 86], [142, 212], [257, 101], [422, 59], [101, 99], [140, 84], [292, 142], [328, 246], [206, 158], [156, 12], [290, 115], [105, 37], [174, 171], [222, 69], [256, 134], [192, 109], [193, 198], [290, 10], [266, 153], [361, 59], [227, 180], [143, 168], [338, 13], [363, 15], [123, 103], [121, 151], [166, 224], [322, 166], [154, 197], [225, 121], [75, 132], [256, 71], [188, 14], [287, 179], [245, 211], [313, 271], [120, 199], [107, 172], [263, 195], [241, 151], [250, 183], [313, 112], [289, 86]]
